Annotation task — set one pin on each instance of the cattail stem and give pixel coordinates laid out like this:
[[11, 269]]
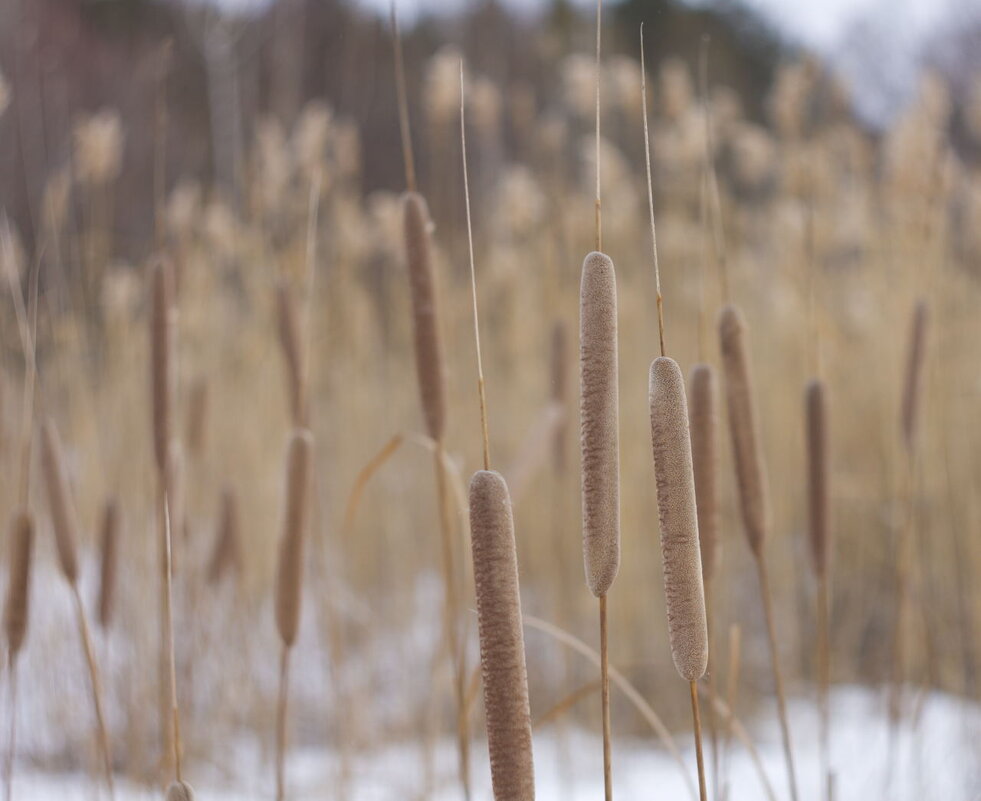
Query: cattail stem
[[605, 693], [713, 691], [281, 710], [169, 635], [824, 679], [103, 734], [771, 634], [599, 204], [697, 718], [12, 738], [403, 103], [650, 192]]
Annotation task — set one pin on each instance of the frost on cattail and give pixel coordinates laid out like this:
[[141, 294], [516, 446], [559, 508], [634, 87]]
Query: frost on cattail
[[98, 155], [180, 791], [704, 410], [599, 422], [747, 450], [17, 605], [502, 648], [816, 412], [162, 364], [59, 498], [913, 384], [290, 340], [289, 578], [683, 590], [226, 555], [430, 366], [109, 561]]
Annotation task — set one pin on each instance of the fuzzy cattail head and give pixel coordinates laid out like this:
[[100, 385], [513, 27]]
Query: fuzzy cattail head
[[502, 647], [913, 386], [110, 559], [746, 447], [560, 384], [162, 362], [430, 363], [703, 395], [683, 590], [17, 606], [290, 340], [599, 422], [180, 791], [59, 497], [816, 409], [289, 578], [227, 553]]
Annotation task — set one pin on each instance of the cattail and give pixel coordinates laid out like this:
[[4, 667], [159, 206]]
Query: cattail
[[502, 648], [180, 791], [683, 590], [705, 461], [59, 497], [912, 389], [226, 554], [197, 417], [17, 606], [110, 558], [290, 341], [817, 473], [599, 423], [430, 366], [162, 332], [290, 573], [746, 447], [560, 384], [176, 494]]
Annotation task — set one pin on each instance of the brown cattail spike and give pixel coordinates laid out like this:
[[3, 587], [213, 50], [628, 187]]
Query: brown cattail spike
[[17, 606], [502, 648], [227, 552], [683, 590], [746, 447], [59, 497], [430, 366], [913, 386], [110, 558], [162, 333], [599, 422], [704, 410], [817, 474], [289, 578]]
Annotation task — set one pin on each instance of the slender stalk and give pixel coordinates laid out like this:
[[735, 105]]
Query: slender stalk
[[403, 103], [281, 709], [650, 193], [702, 792], [599, 205], [771, 634], [171, 659], [12, 739], [83, 628], [605, 694], [824, 680]]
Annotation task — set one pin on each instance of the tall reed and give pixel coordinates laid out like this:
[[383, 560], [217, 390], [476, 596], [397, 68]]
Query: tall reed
[[289, 577], [291, 341], [751, 479], [66, 536], [226, 554]]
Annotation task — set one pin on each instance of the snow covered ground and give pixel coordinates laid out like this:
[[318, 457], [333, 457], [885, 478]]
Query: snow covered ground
[[940, 759]]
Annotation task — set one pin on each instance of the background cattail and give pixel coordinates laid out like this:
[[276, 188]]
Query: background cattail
[[227, 552], [59, 498], [683, 591], [110, 558], [290, 340], [17, 606], [180, 791], [559, 358], [746, 447], [430, 365], [599, 423], [162, 332], [289, 578], [912, 388], [197, 417], [703, 407], [817, 473], [502, 648]]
